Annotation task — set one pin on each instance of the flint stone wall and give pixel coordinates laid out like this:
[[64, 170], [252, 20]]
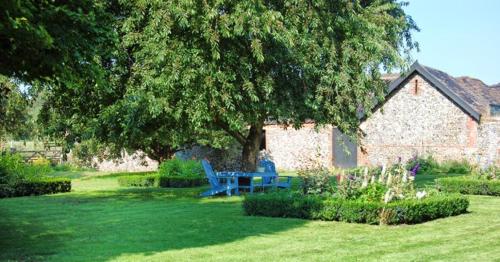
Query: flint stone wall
[[136, 162], [292, 149], [489, 143], [419, 120]]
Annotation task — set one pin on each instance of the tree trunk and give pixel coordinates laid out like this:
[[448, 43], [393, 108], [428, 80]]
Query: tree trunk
[[251, 147]]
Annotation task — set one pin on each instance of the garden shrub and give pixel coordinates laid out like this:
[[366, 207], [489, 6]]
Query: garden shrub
[[469, 185], [177, 167], [32, 187], [157, 180], [181, 181], [428, 165], [283, 205], [315, 180], [408, 211], [457, 167], [11, 167], [15, 168], [120, 174], [424, 165], [20, 179], [148, 180]]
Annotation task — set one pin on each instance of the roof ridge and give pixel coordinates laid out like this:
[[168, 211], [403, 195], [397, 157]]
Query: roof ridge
[[442, 81]]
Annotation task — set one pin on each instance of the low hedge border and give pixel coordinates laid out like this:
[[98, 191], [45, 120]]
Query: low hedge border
[[470, 186], [145, 180], [182, 181], [313, 207], [35, 187], [157, 180]]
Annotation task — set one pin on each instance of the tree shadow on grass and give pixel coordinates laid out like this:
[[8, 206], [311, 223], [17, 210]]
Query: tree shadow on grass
[[108, 224], [19, 233]]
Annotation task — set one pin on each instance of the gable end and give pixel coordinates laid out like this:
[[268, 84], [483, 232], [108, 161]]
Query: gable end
[[417, 68]]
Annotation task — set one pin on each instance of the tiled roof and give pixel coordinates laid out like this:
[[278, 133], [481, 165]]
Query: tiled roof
[[471, 94], [473, 91]]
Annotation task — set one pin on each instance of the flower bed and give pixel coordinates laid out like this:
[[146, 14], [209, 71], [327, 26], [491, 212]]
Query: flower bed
[[409, 211], [385, 195], [469, 185], [34, 187]]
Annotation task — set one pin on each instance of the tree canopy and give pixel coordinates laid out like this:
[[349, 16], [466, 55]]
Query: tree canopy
[[180, 72], [53, 44], [232, 65], [41, 40]]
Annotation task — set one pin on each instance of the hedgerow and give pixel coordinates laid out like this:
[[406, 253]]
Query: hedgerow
[[410, 211]]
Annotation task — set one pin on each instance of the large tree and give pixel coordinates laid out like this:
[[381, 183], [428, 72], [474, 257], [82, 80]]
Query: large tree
[[57, 40], [58, 45], [112, 109], [233, 64]]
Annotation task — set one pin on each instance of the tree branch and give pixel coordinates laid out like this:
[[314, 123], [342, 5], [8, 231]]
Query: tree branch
[[237, 135]]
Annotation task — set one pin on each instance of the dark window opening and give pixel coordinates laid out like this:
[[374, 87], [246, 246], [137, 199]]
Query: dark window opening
[[263, 141], [495, 110]]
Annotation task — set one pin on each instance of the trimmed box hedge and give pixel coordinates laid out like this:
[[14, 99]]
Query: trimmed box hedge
[[354, 211], [182, 181], [470, 186], [157, 180], [35, 187], [145, 180]]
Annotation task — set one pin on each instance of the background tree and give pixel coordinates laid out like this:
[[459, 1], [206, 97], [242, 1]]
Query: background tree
[[15, 119], [118, 113], [57, 46], [233, 64]]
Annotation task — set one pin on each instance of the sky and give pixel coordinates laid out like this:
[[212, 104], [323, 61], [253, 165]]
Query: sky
[[459, 37]]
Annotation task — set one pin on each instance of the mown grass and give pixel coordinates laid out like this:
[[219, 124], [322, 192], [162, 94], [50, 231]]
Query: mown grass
[[99, 221]]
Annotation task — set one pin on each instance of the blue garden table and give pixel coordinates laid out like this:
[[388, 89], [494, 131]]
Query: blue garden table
[[251, 175]]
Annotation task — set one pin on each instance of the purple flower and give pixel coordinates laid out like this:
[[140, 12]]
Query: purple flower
[[415, 169]]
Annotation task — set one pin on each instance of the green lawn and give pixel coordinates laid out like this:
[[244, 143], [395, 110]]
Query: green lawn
[[100, 221]]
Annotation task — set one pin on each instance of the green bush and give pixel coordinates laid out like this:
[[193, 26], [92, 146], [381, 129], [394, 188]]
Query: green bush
[[469, 185], [148, 180], [20, 179], [181, 181], [283, 205], [120, 174], [14, 168], [177, 167], [315, 180], [65, 167], [429, 165], [34, 187], [426, 165], [11, 167], [409, 211], [156, 180], [456, 167]]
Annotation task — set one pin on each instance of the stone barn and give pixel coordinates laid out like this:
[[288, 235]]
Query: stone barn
[[426, 112]]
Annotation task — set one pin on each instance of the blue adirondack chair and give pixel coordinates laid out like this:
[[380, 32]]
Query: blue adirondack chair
[[273, 181], [218, 184]]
